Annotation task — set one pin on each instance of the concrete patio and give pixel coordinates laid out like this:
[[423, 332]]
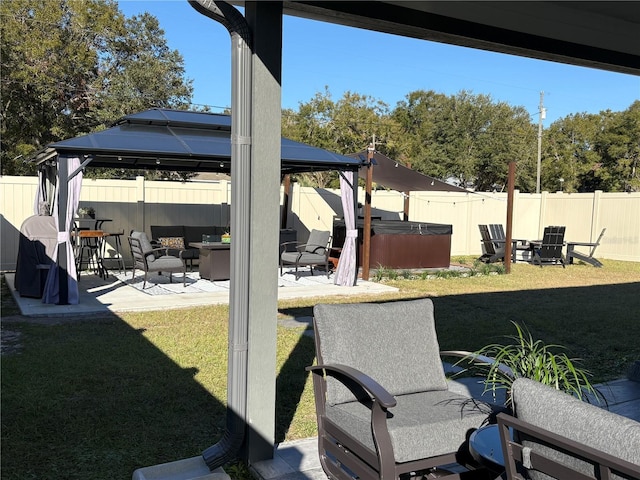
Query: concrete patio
[[98, 295]]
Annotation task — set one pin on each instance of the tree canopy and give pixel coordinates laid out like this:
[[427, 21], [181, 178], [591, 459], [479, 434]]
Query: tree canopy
[[70, 67], [469, 139], [594, 152]]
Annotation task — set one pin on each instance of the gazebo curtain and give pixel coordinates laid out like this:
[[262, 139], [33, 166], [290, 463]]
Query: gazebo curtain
[[52, 287], [41, 193], [346, 271], [46, 190]]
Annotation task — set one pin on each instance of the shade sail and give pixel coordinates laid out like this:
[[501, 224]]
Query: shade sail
[[391, 174], [186, 141]]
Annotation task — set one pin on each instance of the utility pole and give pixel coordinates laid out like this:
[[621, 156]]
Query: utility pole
[[542, 113]]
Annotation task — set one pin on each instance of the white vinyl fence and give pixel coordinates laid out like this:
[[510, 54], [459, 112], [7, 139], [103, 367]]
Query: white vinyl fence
[[138, 204]]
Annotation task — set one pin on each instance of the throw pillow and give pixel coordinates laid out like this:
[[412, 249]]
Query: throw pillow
[[172, 242]]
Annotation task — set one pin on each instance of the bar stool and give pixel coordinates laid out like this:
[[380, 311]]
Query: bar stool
[[89, 251], [117, 245]]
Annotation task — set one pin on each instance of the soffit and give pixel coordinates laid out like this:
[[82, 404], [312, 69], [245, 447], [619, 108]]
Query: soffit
[[604, 35]]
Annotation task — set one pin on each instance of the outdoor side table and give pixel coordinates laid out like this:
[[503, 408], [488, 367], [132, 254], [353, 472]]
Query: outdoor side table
[[485, 448]]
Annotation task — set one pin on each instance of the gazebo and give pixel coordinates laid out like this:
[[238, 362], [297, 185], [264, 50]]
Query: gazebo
[[158, 138]]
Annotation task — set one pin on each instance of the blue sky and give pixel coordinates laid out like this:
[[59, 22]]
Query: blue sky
[[385, 67]]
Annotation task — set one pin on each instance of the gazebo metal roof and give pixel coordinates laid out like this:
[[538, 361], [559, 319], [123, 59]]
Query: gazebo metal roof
[[183, 140]]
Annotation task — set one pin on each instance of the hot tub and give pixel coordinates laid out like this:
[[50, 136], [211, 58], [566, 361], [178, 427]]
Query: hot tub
[[399, 244]]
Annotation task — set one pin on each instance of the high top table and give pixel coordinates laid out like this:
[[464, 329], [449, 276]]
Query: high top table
[[89, 250], [215, 260]]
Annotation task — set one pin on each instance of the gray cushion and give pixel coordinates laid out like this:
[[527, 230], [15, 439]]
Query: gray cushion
[[317, 242], [394, 343], [166, 263], [145, 244], [303, 258], [560, 413], [420, 425]]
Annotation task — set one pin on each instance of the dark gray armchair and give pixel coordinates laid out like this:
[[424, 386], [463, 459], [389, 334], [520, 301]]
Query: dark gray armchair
[[150, 259], [384, 407], [314, 252]]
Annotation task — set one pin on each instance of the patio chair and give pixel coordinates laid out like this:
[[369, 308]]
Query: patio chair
[[383, 405], [550, 249], [314, 252], [491, 251], [150, 259], [497, 231], [555, 435], [587, 258], [517, 244]]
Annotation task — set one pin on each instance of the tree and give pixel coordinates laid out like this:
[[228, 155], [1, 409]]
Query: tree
[[570, 154], [619, 146], [593, 152], [70, 67], [139, 71], [467, 137], [418, 116], [344, 127]]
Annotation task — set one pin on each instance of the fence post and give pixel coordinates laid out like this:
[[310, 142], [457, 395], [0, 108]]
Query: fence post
[[140, 206], [595, 215], [472, 233], [543, 212]]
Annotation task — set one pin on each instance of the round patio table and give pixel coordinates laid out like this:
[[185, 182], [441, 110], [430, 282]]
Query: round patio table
[[485, 448]]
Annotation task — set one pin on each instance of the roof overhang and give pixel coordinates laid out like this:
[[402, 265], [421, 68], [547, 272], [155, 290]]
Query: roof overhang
[[597, 34], [162, 139]]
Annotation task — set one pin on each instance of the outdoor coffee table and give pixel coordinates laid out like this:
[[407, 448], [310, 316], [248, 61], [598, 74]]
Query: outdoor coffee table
[[215, 260]]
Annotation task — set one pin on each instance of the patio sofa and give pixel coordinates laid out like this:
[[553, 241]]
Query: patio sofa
[[179, 237]]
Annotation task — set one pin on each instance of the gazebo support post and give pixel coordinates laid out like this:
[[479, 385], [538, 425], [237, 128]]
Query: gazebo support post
[[285, 203], [366, 230], [63, 197]]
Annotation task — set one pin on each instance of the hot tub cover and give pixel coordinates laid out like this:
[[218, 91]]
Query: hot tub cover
[[398, 227]]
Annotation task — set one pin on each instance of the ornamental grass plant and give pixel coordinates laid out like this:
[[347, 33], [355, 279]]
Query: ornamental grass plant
[[528, 358]]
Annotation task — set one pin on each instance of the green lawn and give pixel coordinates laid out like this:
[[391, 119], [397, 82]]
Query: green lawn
[[99, 398]]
